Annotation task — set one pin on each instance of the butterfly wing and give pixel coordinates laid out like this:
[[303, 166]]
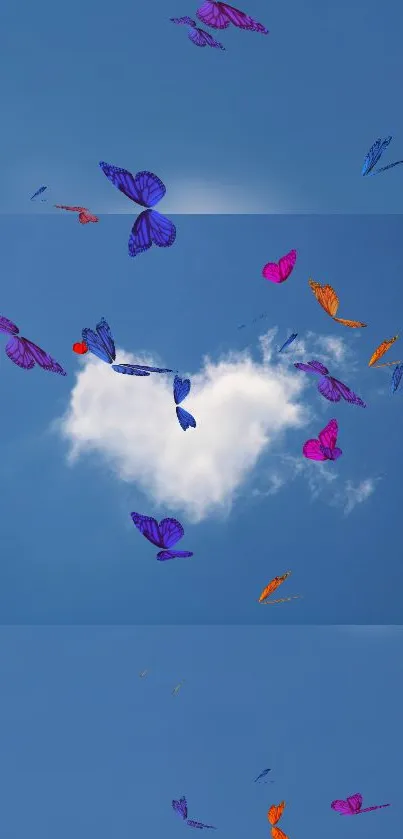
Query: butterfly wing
[[380, 351], [342, 807], [164, 555], [200, 825], [328, 389], [375, 153], [213, 14], [185, 419], [149, 528], [384, 168], [328, 435], [377, 807], [278, 834], [72, 209], [275, 812], [181, 389], [19, 353], [262, 774], [211, 42], [289, 341], [181, 807], [151, 227], [397, 377], [197, 37], [171, 531], [281, 600], [272, 586], [186, 21], [353, 324], [326, 297], [286, 264], [312, 367], [346, 393], [43, 359], [38, 192], [313, 450], [85, 217], [241, 20], [101, 342], [138, 369], [7, 326], [355, 802], [145, 188]]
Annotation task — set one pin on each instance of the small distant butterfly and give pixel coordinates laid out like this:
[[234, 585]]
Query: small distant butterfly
[[272, 587], [181, 808], [147, 190], [181, 390], [380, 351], [278, 272], [39, 192], [352, 806], [325, 447], [101, 344], [177, 688], [163, 535], [220, 15], [80, 347], [84, 216], [289, 341], [24, 353], [196, 35], [397, 377], [332, 389], [263, 775], [375, 153]]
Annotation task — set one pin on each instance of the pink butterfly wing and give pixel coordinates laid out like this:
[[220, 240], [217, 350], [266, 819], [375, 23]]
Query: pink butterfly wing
[[355, 802], [328, 436], [286, 264], [271, 271], [342, 807], [312, 450]]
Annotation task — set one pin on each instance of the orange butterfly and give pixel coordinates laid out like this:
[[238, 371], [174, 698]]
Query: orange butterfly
[[274, 815], [380, 351], [272, 586], [328, 299]]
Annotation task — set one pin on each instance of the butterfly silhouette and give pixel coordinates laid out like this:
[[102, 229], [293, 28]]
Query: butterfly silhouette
[[289, 341], [325, 447], [84, 216], [332, 389], [101, 344], [196, 35], [181, 808], [220, 15], [26, 354], [39, 192], [352, 806], [375, 153], [181, 390], [278, 272], [163, 535], [147, 190]]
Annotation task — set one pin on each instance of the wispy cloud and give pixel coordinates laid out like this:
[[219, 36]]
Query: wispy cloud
[[357, 494]]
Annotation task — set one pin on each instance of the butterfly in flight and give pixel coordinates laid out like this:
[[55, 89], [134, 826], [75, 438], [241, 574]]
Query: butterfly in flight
[[375, 153], [177, 688], [26, 354], [147, 190], [274, 815], [332, 389], [220, 15], [181, 808], [289, 341], [352, 806], [328, 299], [101, 344], [380, 352], [278, 272], [181, 390], [84, 216], [273, 586], [263, 775], [143, 673], [164, 534], [397, 377], [80, 347], [38, 192], [196, 35], [325, 447]]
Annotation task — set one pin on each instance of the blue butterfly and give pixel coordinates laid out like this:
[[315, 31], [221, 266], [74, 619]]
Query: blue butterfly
[[39, 192], [397, 377], [101, 344], [263, 775], [147, 190], [289, 341], [181, 390], [375, 153]]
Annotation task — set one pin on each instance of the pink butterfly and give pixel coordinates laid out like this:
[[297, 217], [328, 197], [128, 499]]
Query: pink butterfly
[[278, 272], [84, 216], [220, 15], [352, 806], [324, 448]]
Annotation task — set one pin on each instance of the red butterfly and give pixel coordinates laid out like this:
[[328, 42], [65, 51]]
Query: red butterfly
[[84, 216]]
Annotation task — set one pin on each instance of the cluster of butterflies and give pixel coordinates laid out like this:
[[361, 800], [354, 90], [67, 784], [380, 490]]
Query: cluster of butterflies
[[217, 16]]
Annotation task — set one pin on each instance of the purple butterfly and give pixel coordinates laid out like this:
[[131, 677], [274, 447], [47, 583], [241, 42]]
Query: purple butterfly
[[163, 535], [26, 354], [147, 190], [181, 808], [332, 389], [196, 35], [101, 344], [352, 806]]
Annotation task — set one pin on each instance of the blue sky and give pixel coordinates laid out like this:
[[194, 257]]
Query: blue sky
[[89, 748], [276, 123], [70, 551]]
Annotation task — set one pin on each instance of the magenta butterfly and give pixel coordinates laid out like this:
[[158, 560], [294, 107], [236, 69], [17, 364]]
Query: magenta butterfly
[[196, 35], [181, 808], [163, 535], [332, 389], [220, 15], [26, 354], [352, 806], [278, 272], [325, 447]]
